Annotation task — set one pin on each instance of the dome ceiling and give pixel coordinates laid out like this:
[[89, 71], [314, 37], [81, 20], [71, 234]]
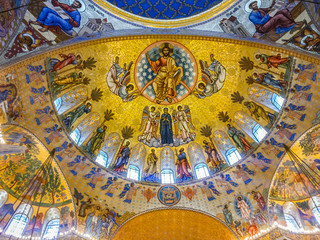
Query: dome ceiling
[[183, 103], [154, 12], [117, 94]]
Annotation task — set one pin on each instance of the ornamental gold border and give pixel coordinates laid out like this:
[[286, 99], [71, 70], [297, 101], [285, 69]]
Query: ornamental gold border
[[183, 22], [265, 46]]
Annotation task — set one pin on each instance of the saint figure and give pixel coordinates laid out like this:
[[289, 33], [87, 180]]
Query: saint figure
[[72, 116], [95, 143], [49, 19], [183, 165], [260, 200], [123, 158], [183, 122], [213, 155], [266, 20], [166, 127], [151, 169], [275, 61], [227, 215], [244, 208], [150, 119], [258, 111], [268, 79], [168, 73], [239, 138]]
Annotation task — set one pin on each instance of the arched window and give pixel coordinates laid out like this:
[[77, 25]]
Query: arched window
[[316, 213], [52, 229], [291, 222], [3, 197], [19, 221], [76, 135], [17, 225], [201, 170], [133, 172], [233, 156], [51, 224], [102, 158], [57, 103], [277, 101], [259, 132], [167, 176]]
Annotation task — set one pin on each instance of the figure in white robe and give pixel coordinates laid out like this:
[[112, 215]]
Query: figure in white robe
[[150, 119], [244, 208], [182, 120]]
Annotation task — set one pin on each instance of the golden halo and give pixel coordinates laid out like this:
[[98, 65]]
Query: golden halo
[[167, 45]]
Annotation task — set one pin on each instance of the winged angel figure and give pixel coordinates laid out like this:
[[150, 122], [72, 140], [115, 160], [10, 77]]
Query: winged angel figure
[[149, 124], [183, 123], [213, 78], [118, 79]]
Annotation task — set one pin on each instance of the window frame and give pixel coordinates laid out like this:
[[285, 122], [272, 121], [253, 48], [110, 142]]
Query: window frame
[[203, 166], [76, 141], [169, 172], [132, 167], [18, 226], [293, 223], [46, 229], [317, 216], [275, 101], [230, 152], [255, 130], [59, 105], [104, 155]]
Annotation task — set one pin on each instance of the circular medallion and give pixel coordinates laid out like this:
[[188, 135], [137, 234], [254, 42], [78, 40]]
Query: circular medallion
[[169, 195], [166, 72]]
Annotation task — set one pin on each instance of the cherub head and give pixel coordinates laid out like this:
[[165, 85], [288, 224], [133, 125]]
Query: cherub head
[[201, 86], [129, 87], [76, 4]]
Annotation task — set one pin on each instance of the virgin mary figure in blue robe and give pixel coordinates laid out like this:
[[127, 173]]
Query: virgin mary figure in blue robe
[[166, 127]]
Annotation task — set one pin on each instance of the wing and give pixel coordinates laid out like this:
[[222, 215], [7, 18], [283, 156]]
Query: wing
[[175, 121], [205, 75], [157, 124], [188, 113], [126, 77], [145, 115]]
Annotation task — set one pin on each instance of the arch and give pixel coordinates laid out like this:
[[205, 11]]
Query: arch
[[246, 123], [195, 153], [292, 216], [51, 223], [87, 126], [222, 142], [167, 176], [233, 156], [183, 220], [19, 220], [3, 197], [262, 96], [138, 155], [167, 159], [111, 145], [72, 98]]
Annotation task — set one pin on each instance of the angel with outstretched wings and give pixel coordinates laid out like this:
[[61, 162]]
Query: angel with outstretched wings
[[149, 123], [183, 122], [213, 77], [118, 79]]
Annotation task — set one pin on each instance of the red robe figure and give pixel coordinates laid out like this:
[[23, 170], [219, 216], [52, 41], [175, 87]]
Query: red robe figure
[[183, 166]]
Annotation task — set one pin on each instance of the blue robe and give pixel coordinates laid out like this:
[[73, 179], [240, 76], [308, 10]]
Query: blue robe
[[49, 17], [124, 158], [166, 129]]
